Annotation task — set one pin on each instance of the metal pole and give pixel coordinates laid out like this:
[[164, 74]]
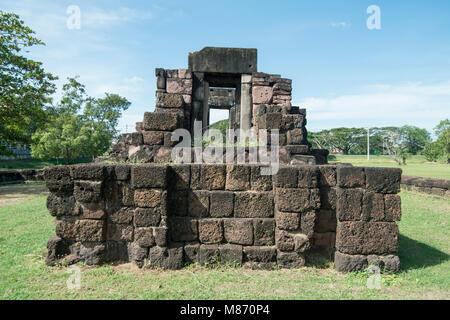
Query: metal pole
[[368, 143]]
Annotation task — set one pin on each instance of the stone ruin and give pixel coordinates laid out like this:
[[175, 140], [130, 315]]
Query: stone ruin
[[169, 215]]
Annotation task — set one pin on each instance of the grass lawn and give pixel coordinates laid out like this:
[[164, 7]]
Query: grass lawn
[[26, 225], [415, 166]]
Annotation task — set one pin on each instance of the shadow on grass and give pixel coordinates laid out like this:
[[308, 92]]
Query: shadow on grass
[[416, 255]]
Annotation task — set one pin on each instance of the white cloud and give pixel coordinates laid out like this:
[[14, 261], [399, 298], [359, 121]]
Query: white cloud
[[418, 104], [105, 18]]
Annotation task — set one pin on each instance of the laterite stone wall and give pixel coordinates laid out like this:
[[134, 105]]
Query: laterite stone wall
[[172, 215]]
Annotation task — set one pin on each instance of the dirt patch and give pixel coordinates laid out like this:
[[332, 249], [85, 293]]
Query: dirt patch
[[13, 194]]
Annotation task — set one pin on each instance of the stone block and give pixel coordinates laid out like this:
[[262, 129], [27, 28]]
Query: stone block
[[119, 232], [360, 237], [253, 205], [210, 231], [286, 177], [260, 254], [387, 264], [149, 176], [328, 198], [213, 177], [178, 203], [167, 257], [349, 204], [153, 138], [144, 237], [58, 179], [264, 232], [327, 176], [302, 242], [238, 177], [169, 100], [349, 263], [260, 182], [183, 229], [230, 253], [383, 180], [180, 86], [88, 191], [92, 211], [161, 236], [65, 229], [56, 249], [308, 221], [122, 171], [373, 206], [288, 220], [295, 136], [209, 254], [297, 200], [308, 177], [160, 121], [198, 204], [180, 175], [221, 204], [90, 230], [137, 254], [284, 240], [392, 207], [151, 198], [238, 231], [290, 260], [350, 177], [192, 252], [270, 121], [91, 172], [262, 94], [61, 205], [146, 217]]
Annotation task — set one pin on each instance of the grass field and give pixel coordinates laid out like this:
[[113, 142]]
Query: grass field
[[26, 225], [31, 164], [415, 166]]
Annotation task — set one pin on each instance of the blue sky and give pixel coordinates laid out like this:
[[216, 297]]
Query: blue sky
[[343, 73]]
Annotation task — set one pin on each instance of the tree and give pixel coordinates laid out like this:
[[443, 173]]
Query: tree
[[442, 131], [79, 125], [415, 138], [25, 88]]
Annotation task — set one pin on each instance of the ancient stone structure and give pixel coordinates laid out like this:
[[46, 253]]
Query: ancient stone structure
[[220, 78], [169, 215]]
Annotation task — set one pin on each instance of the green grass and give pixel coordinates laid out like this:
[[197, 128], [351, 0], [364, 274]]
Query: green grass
[[31, 164], [424, 253], [415, 166]]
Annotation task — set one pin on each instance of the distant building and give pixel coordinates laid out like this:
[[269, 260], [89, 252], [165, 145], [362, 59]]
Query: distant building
[[336, 151], [21, 151]]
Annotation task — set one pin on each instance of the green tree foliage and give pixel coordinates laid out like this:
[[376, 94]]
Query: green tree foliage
[[25, 88], [343, 138], [441, 147], [79, 126]]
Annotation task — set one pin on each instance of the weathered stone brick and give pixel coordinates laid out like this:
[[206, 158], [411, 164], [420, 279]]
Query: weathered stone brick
[[192, 252], [137, 254], [161, 235], [230, 253], [290, 260], [58, 179], [238, 177], [373, 206], [349, 204], [350, 177], [160, 121], [180, 86], [180, 175], [221, 204], [119, 232], [213, 176], [153, 138], [209, 254], [284, 240], [253, 205], [183, 229], [349, 263], [146, 217], [288, 220], [297, 200], [264, 232], [327, 175], [387, 264], [260, 182], [308, 222], [198, 204], [90, 230], [92, 210], [66, 229], [238, 231], [149, 176], [328, 198], [260, 254], [287, 177], [210, 231], [144, 237], [302, 242], [295, 136], [122, 171], [169, 100], [88, 172], [88, 191], [392, 207], [61, 205], [360, 237], [270, 121], [308, 177], [262, 94], [383, 180], [150, 198], [167, 257]]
